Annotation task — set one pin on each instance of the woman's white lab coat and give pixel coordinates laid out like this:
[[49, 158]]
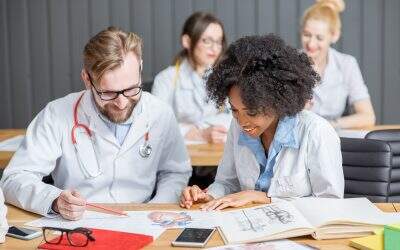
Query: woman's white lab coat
[[123, 175], [314, 169], [184, 90]]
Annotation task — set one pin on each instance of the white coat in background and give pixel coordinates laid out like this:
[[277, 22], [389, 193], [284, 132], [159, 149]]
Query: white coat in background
[[3, 218], [184, 90], [123, 175], [314, 169]]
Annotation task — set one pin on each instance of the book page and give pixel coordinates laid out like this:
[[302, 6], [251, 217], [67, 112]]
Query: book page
[[270, 245], [257, 223], [321, 211]]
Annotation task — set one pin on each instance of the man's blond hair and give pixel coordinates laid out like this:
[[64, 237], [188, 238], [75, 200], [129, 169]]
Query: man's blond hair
[[107, 49]]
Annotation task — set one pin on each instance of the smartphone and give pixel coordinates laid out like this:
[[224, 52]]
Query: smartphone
[[193, 237], [23, 233]]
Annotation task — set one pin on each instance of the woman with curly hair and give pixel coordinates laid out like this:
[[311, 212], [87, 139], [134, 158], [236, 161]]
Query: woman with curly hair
[[275, 149]]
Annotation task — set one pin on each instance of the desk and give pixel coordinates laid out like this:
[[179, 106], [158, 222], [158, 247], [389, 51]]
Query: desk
[[206, 155], [200, 155], [17, 216]]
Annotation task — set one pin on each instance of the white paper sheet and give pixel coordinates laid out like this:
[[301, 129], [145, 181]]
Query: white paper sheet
[[152, 223], [11, 144]]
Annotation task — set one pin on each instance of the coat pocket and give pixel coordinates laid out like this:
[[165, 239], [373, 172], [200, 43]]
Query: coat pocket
[[296, 185]]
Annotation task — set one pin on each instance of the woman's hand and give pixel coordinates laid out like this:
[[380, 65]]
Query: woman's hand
[[215, 134], [237, 200], [193, 194]]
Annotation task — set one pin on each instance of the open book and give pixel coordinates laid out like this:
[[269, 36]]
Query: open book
[[323, 218]]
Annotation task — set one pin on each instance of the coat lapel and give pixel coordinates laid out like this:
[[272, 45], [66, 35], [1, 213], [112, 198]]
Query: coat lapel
[[96, 124], [138, 127]]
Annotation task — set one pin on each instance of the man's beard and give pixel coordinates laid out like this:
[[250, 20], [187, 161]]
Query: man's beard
[[114, 114]]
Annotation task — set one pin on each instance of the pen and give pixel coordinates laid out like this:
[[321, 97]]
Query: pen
[[116, 211]]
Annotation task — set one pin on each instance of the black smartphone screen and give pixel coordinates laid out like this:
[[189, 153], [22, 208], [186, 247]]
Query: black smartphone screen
[[20, 231], [197, 235]]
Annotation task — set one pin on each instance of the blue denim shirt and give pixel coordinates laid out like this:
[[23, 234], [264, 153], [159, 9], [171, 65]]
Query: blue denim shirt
[[285, 136]]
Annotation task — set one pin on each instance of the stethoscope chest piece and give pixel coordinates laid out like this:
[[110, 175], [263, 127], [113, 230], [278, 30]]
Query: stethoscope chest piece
[[145, 150]]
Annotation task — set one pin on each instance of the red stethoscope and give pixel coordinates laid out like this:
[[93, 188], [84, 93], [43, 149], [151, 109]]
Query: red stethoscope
[[144, 150]]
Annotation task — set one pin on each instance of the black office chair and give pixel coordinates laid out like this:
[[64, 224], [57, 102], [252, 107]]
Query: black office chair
[[392, 137], [367, 167]]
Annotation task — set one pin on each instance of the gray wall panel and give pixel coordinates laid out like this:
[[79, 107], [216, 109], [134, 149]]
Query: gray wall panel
[[288, 21], [5, 93], [19, 55], [60, 43], [120, 14], [267, 16], [246, 24], [163, 53], [143, 25], [226, 12], [372, 50], [99, 12], [79, 35], [391, 64], [182, 9], [203, 5], [351, 31], [39, 49], [42, 42]]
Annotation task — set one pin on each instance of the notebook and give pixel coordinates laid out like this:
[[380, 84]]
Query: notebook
[[105, 240], [322, 218], [372, 242]]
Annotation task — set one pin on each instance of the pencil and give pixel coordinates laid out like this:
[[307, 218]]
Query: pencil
[[116, 211]]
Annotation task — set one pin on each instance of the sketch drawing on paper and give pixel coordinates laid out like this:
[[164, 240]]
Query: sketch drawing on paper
[[259, 218], [166, 219]]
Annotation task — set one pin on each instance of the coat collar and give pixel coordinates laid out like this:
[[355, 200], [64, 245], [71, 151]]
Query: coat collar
[[286, 135], [140, 121]]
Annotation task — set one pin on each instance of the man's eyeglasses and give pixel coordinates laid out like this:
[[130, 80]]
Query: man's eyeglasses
[[209, 42], [111, 95], [78, 237]]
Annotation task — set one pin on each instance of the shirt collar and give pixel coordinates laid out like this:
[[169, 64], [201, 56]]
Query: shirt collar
[[286, 134]]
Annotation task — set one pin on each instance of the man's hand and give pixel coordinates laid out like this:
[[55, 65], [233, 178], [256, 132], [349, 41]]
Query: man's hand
[[237, 200], [70, 204]]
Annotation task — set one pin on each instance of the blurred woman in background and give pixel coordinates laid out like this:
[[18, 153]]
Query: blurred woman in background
[[182, 85], [341, 80]]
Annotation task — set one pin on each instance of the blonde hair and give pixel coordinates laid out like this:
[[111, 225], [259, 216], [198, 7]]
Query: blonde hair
[[106, 50], [328, 11]]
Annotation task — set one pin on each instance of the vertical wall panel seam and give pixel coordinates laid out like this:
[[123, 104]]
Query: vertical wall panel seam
[[173, 18], [12, 107], [129, 17], [153, 42], [362, 26], [8, 59], [111, 14], [277, 23], [383, 60], [236, 11], [89, 20], [71, 63], [50, 51], [29, 64], [256, 7]]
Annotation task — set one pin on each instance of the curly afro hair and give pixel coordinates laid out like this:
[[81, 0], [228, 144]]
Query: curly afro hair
[[271, 76]]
